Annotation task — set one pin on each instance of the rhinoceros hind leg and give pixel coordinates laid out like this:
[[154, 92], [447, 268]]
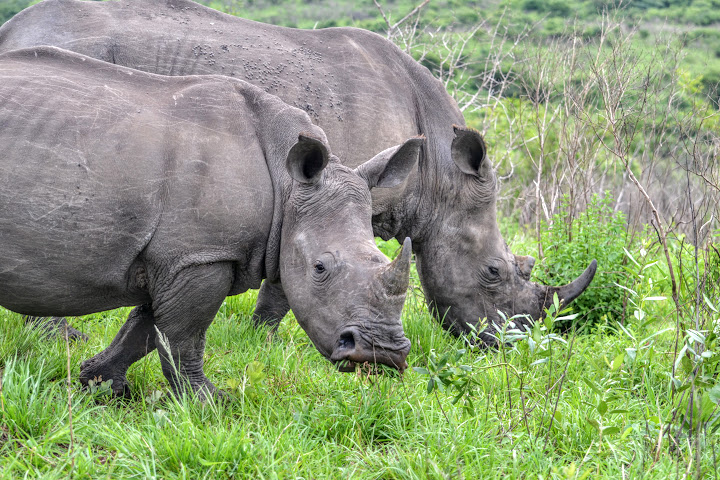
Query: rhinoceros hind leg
[[184, 309], [135, 339], [272, 305], [53, 327]]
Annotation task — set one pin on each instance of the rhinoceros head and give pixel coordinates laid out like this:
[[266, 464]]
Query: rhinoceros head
[[344, 292], [467, 271]]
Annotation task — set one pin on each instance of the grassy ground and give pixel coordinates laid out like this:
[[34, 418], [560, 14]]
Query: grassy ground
[[585, 408]]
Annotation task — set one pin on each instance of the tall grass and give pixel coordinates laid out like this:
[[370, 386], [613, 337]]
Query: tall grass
[[587, 409]]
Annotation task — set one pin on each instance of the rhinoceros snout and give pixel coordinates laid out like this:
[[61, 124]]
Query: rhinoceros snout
[[352, 349]]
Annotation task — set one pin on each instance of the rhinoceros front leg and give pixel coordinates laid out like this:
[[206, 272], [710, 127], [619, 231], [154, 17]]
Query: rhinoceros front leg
[[272, 305], [135, 339], [54, 327], [183, 310]]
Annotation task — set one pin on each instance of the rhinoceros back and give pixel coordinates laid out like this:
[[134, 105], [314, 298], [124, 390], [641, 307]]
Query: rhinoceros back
[[352, 83], [101, 163]]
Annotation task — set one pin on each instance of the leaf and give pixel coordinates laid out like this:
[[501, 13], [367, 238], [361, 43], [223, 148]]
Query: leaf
[[610, 430], [714, 394], [602, 407], [593, 422], [592, 386], [686, 364], [629, 255], [633, 292], [696, 336], [617, 361], [647, 339], [469, 407], [255, 373], [625, 330], [548, 322], [439, 383], [631, 353], [655, 299], [706, 407], [710, 304], [421, 370], [626, 432], [431, 385], [652, 400], [680, 356]]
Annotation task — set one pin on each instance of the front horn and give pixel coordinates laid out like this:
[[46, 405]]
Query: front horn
[[396, 276], [568, 293]]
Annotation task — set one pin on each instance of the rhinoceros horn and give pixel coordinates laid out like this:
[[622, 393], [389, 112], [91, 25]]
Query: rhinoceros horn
[[568, 293], [396, 276]]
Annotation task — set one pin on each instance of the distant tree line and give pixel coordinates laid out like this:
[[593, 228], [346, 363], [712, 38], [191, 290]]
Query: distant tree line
[[8, 8]]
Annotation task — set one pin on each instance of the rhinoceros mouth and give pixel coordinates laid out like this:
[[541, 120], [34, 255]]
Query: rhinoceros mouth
[[352, 350]]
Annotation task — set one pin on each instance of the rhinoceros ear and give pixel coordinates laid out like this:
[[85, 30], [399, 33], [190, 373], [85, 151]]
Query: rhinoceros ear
[[469, 152], [307, 159], [391, 167]]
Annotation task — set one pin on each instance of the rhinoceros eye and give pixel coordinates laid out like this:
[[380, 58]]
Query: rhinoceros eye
[[319, 267], [494, 271]]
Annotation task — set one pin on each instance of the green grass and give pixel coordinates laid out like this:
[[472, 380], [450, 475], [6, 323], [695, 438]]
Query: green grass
[[291, 415]]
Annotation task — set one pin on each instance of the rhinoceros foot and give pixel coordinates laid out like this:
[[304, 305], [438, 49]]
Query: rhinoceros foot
[[95, 371], [54, 327]]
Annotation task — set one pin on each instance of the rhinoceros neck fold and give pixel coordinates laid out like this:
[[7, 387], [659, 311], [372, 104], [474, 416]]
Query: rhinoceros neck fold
[[436, 113], [271, 110]]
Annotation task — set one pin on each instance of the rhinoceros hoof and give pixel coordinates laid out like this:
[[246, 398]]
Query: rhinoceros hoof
[[204, 391], [54, 327], [75, 335], [97, 378], [215, 394]]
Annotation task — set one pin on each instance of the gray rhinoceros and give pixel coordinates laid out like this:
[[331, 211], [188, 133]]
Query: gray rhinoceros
[[367, 95], [124, 188]]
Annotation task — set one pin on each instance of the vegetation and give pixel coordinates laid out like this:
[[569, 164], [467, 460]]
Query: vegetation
[[572, 243], [603, 123], [589, 406]]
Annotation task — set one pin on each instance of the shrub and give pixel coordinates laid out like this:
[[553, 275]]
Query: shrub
[[570, 244], [8, 8]]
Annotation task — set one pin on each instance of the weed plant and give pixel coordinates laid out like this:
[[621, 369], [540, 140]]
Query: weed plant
[[570, 242]]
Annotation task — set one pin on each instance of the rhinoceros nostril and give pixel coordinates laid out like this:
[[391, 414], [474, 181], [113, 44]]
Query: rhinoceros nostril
[[347, 341]]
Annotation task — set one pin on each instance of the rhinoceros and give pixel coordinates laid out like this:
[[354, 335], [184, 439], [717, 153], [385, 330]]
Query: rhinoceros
[[367, 95], [124, 188]]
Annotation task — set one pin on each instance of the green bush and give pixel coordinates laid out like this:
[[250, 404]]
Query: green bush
[[570, 244], [554, 8], [8, 8]]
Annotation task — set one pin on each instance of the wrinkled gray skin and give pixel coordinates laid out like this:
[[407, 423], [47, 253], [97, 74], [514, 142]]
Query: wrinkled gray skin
[[367, 95], [123, 188]]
